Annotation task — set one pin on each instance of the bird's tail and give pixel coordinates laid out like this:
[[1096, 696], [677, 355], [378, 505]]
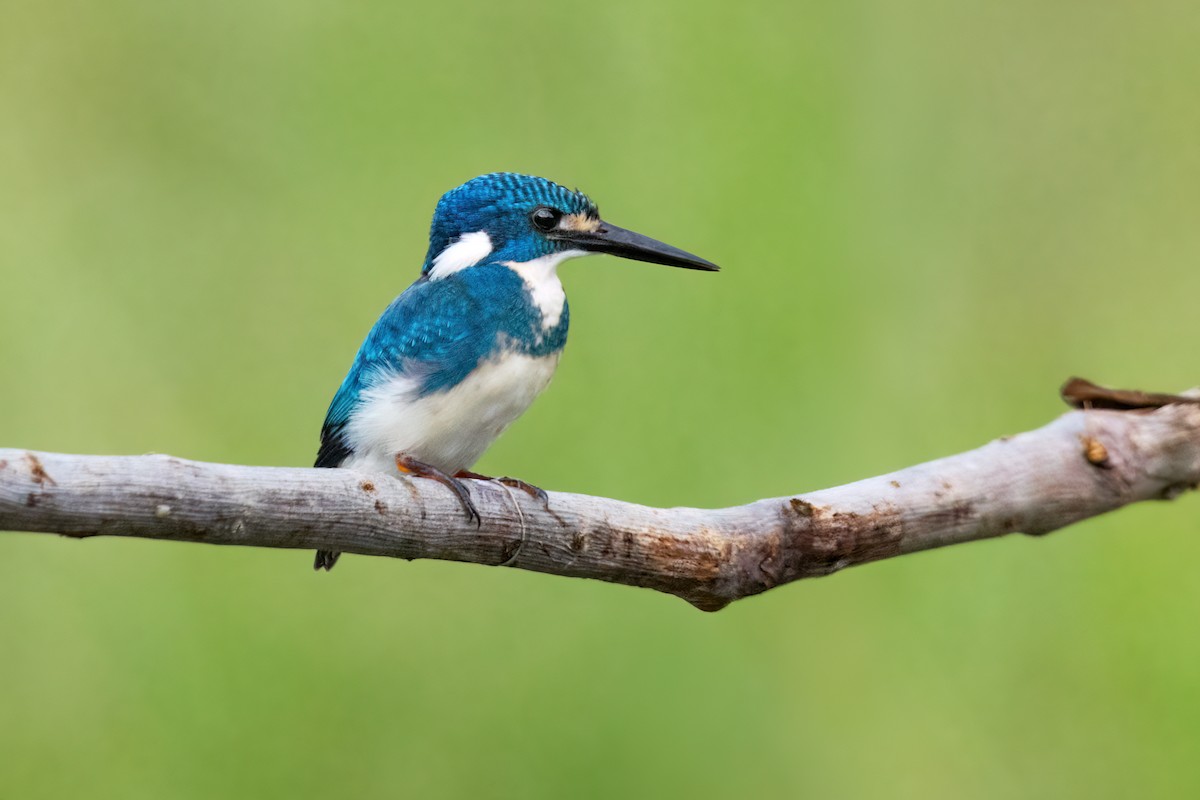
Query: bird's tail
[[325, 560]]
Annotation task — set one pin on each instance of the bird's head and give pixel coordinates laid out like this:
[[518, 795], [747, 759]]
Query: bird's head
[[505, 217]]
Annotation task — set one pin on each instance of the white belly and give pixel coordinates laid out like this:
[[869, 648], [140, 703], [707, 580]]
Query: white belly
[[448, 430]]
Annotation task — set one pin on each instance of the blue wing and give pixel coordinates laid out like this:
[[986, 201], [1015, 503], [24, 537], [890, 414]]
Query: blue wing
[[432, 330]]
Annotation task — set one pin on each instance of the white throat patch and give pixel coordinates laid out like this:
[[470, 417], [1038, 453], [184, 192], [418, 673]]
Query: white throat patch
[[469, 250], [541, 276]]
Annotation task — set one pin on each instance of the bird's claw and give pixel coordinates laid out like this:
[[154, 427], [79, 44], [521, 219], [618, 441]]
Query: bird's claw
[[528, 488], [536, 492], [419, 469], [464, 498]]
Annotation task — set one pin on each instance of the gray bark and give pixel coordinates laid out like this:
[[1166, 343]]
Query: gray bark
[[1085, 463]]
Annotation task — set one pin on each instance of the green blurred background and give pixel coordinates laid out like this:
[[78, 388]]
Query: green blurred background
[[929, 214]]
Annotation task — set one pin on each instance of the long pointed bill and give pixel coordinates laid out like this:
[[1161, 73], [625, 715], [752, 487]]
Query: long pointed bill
[[616, 241]]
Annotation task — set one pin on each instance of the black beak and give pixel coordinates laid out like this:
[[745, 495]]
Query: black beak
[[617, 241]]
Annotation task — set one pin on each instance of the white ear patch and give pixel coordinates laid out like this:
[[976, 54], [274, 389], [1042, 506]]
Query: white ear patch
[[469, 250]]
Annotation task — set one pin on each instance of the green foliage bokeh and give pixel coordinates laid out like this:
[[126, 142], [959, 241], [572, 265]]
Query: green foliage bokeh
[[928, 214]]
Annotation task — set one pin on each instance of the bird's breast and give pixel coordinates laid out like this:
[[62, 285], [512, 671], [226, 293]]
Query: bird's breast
[[448, 429]]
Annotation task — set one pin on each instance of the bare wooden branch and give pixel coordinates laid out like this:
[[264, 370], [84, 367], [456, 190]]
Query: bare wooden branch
[[1085, 463]]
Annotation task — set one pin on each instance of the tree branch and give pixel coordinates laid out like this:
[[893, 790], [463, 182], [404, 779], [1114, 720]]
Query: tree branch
[[1085, 463]]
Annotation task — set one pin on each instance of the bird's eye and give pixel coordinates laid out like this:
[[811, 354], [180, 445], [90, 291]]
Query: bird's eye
[[545, 219]]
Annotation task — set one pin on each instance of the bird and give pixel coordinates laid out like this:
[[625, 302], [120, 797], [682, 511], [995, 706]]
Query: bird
[[465, 350]]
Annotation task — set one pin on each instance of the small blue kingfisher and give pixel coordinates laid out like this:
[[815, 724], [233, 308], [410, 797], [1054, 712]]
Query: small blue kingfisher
[[464, 351]]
